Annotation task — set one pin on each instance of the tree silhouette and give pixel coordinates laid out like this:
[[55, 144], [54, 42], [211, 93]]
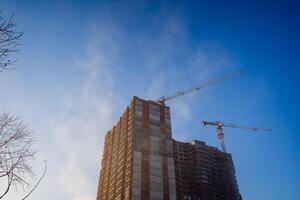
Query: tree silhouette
[[16, 142], [16, 139], [9, 41]]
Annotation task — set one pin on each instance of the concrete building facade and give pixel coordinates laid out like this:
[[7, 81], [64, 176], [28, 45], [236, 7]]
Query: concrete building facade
[[138, 159], [141, 161], [204, 172]]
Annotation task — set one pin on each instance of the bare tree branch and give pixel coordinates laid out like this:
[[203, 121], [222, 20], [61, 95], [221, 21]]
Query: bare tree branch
[[9, 41], [41, 178], [16, 150], [16, 140]]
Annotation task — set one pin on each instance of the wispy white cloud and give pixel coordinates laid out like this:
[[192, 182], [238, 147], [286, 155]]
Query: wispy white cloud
[[85, 117], [72, 136], [175, 66]]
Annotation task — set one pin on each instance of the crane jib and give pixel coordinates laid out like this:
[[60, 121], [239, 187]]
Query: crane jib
[[197, 88]]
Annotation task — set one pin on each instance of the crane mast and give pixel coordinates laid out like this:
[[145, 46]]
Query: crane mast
[[219, 125], [199, 87]]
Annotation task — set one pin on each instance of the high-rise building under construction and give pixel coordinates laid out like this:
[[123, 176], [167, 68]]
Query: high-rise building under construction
[[204, 172], [142, 161], [138, 159]]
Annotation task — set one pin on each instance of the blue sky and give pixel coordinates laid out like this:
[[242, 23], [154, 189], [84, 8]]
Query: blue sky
[[82, 61]]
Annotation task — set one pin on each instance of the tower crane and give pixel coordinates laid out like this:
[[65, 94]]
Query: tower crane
[[220, 133], [199, 87]]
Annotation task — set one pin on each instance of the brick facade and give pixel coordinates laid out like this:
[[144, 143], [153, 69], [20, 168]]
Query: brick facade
[[204, 172], [137, 159]]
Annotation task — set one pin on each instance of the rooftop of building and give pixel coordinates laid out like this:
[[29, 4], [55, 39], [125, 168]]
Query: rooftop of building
[[200, 144]]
